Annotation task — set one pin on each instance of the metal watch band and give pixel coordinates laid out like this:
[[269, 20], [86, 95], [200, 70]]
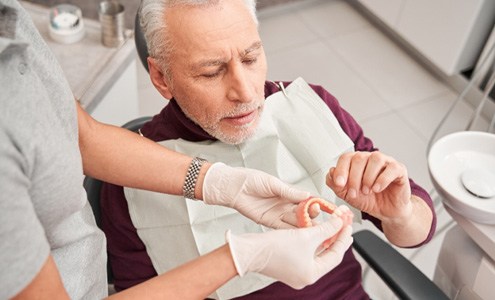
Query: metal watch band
[[192, 177]]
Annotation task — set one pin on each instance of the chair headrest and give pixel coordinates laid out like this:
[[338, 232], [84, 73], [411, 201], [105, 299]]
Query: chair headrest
[[140, 41]]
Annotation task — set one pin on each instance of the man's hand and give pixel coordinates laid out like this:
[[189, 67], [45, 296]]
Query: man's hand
[[374, 183], [292, 256], [261, 197]]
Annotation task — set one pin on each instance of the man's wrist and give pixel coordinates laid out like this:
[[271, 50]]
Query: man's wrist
[[402, 216], [412, 230]]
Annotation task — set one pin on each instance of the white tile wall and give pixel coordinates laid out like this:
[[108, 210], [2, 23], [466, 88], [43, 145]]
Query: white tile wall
[[396, 77]]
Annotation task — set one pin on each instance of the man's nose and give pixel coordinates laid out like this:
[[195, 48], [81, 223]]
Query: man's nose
[[239, 88]]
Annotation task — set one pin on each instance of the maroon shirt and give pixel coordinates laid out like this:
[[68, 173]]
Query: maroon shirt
[[131, 264]]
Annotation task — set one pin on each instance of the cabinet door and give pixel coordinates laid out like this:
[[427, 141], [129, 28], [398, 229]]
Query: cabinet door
[[387, 11], [450, 33]]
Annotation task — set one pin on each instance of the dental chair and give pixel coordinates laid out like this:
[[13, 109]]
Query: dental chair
[[404, 279]]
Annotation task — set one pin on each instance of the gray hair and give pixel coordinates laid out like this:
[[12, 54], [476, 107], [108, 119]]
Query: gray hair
[[154, 27]]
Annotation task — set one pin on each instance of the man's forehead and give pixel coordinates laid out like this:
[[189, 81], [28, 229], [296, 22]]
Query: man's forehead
[[215, 60], [204, 36]]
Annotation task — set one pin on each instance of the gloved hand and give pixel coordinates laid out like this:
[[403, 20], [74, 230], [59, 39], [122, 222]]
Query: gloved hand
[[291, 255], [261, 197]]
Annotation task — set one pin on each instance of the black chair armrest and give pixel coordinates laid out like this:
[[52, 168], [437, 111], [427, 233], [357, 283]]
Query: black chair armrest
[[93, 188], [401, 276]]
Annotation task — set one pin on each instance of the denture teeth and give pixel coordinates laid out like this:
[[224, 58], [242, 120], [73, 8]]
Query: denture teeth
[[304, 220]]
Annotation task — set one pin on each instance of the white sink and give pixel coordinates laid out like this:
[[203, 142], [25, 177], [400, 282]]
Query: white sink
[[462, 168]]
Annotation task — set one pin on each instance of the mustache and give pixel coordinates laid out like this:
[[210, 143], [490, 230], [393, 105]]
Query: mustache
[[243, 108]]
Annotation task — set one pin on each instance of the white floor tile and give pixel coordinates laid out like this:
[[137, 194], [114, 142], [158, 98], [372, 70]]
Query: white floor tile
[[284, 31], [394, 75], [332, 18], [320, 65], [426, 116], [394, 137]]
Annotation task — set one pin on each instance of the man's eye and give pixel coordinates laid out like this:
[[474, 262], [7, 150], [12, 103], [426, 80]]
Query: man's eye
[[249, 61], [211, 75]]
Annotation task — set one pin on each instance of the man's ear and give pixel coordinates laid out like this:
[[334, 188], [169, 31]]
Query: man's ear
[[160, 80]]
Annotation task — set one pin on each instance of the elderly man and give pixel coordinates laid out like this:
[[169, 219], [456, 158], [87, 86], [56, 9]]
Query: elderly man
[[208, 59]]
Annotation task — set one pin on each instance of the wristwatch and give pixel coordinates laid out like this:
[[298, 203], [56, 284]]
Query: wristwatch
[[192, 177]]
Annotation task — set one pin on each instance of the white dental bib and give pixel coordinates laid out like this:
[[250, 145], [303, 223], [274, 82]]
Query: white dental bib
[[298, 140]]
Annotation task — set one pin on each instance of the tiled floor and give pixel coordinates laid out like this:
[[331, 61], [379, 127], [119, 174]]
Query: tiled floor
[[397, 102]]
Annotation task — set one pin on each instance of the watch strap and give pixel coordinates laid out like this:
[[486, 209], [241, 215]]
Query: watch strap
[[192, 177]]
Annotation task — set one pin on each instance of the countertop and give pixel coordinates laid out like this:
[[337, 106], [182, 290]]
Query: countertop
[[90, 67]]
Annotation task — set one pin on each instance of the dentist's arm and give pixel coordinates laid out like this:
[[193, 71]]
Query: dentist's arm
[[290, 256], [121, 157]]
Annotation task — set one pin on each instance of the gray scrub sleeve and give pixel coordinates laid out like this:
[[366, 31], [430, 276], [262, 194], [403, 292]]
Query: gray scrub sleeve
[[24, 248]]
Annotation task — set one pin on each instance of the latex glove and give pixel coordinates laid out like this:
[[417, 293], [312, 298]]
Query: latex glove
[[263, 198], [291, 255], [374, 183]]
